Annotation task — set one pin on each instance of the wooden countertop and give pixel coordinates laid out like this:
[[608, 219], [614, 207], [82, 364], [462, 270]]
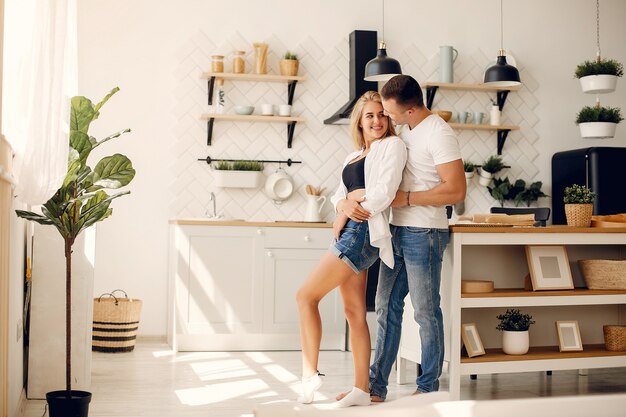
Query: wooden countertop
[[207, 222], [527, 229]]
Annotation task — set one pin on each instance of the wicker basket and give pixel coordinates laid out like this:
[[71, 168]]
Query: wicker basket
[[578, 215], [115, 323], [602, 274], [614, 338]]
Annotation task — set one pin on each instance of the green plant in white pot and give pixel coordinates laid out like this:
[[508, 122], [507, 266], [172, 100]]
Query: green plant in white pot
[[238, 174], [599, 76], [578, 201], [598, 122], [469, 169], [514, 326], [78, 204], [491, 166]]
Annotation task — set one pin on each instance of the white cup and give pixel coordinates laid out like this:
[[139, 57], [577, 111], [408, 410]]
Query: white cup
[[267, 109], [284, 110]]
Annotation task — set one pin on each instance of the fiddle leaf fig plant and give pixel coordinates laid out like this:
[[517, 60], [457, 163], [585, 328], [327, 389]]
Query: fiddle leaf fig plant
[[82, 201]]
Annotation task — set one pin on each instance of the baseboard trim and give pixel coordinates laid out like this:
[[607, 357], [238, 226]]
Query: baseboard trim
[[152, 339]]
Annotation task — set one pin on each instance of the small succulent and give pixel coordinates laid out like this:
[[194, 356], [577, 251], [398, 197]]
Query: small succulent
[[468, 166], [599, 67], [493, 165], [514, 321], [290, 56], [578, 194]]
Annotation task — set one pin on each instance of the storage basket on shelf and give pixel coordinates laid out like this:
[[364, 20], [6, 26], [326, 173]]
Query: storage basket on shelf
[[603, 274], [115, 323], [614, 337]]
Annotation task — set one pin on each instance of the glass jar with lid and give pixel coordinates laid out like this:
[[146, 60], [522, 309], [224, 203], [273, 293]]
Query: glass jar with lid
[[217, 63], [239, 62]]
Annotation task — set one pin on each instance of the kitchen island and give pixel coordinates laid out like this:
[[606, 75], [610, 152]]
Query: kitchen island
[[498, 254], [233, 284]]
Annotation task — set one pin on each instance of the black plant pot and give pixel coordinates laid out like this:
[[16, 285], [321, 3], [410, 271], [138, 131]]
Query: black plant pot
[[77, 405]]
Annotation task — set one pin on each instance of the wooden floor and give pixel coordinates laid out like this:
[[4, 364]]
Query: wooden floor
[[154, 381]]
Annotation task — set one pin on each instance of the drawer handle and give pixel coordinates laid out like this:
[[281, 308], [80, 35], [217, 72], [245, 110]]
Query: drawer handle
[[270, 254], [307, 238]]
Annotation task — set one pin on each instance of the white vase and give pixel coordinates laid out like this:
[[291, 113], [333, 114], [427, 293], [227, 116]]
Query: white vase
[[494, 116], [598, 84], [515, 343], [468, 178], [597, 130], [485, 178]]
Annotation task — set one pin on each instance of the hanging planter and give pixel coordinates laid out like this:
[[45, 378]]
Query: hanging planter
[[598, 84], [491, 166], [598, 122], [240, 174]]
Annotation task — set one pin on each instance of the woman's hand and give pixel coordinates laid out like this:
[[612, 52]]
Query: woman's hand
[[338, 224], [353, 210]]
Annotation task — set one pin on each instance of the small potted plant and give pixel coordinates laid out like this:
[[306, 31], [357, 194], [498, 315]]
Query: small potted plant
[[238, 174], [491, 166], [289, 64], [578, 201], [469, 169], [599, 76], [530, 194], [514, 326], [598, 122]]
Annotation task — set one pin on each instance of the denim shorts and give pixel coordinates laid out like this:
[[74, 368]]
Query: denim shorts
[[353, 246]]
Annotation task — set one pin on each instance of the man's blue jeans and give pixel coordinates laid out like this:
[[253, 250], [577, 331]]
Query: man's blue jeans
[[418, 255]]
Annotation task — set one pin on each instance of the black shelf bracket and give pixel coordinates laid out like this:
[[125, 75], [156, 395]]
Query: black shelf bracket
[[502, 98], [211, 83], [291, 127], [291, 89], [430, 96], [289, 161], [502, 134], [209, 130]]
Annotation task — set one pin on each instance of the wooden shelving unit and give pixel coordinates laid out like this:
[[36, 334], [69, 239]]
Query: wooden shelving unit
[[291, 88], [501, 93], [542, 353]]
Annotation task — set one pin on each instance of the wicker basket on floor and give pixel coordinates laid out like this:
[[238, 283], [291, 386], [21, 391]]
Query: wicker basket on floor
[[115, 323], [614, 338], [603, 274]]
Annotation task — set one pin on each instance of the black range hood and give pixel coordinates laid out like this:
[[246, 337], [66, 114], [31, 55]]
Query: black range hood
[[362, 50]]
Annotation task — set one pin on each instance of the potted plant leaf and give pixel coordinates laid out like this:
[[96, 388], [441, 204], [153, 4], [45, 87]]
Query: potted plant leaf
[[289, 64], [238, 174], [514, 326], [578, 201], [599, 76], [598, 122], [491, 166], [79, 203]]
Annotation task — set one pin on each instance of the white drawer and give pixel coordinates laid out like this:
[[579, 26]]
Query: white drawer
[[291, 237]]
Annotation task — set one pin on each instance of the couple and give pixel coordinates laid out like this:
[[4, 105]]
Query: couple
[[416, 174]]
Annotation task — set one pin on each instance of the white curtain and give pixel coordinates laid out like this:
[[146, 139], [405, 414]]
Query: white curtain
[[39, 80]]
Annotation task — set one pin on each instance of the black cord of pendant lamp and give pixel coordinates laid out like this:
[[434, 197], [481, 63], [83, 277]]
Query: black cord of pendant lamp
[[502, 74], [383, 67]]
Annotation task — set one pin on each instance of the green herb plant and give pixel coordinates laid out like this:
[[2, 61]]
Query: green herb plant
[[468, 166], [589, 114], [493, 165], [514, 321], [290, 56], [81, 201], [599, 67], [517, 192], [578, 194], [239, 166]]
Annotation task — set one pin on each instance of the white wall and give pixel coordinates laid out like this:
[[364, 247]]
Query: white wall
[[142, 46]]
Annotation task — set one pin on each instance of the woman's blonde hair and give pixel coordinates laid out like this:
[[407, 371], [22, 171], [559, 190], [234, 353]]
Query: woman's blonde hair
[[357, 113]]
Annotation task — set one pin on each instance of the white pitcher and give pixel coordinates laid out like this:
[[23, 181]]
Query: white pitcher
[[314, 206], [447, 56]]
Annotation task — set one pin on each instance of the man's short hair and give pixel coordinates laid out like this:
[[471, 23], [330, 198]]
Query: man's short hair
[[405, 90]]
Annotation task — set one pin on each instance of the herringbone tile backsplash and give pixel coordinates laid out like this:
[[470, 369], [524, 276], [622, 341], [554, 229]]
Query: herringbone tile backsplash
[[321, 148]]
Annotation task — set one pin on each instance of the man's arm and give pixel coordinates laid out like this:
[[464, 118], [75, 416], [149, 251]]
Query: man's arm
[[450, 190]]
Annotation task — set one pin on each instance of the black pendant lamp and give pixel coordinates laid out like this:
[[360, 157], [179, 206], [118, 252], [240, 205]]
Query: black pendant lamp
[[502, 74], [382, 68]]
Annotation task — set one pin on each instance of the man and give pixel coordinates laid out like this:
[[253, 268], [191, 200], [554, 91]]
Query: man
[[433, 178]]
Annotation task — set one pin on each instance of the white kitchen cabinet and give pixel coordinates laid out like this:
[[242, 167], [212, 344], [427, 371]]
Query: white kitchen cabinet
[[233, 286], [498, 254]]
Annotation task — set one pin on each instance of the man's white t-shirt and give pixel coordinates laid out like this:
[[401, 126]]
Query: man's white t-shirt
[[432, 142]]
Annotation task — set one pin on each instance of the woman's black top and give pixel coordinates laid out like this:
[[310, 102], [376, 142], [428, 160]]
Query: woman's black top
[[353, 175]]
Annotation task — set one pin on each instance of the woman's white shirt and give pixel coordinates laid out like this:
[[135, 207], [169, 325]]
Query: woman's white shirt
[[384, 165]]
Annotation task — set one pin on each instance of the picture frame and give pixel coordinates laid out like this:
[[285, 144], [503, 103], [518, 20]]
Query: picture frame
[[569, 336], [549, 268], [471, 340]]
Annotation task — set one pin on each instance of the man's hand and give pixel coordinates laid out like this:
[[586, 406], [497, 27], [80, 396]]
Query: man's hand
[[400, 200], [353, 210]]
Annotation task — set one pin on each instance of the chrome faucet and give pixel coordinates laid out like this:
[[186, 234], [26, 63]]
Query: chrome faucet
[[212, 198]]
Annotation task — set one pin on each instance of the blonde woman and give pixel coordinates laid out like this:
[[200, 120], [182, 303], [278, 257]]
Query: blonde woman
[[369, 180]]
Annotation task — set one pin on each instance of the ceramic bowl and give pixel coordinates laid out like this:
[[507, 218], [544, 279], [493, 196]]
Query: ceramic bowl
[[279, 186], [244, 109], [444, 114]]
